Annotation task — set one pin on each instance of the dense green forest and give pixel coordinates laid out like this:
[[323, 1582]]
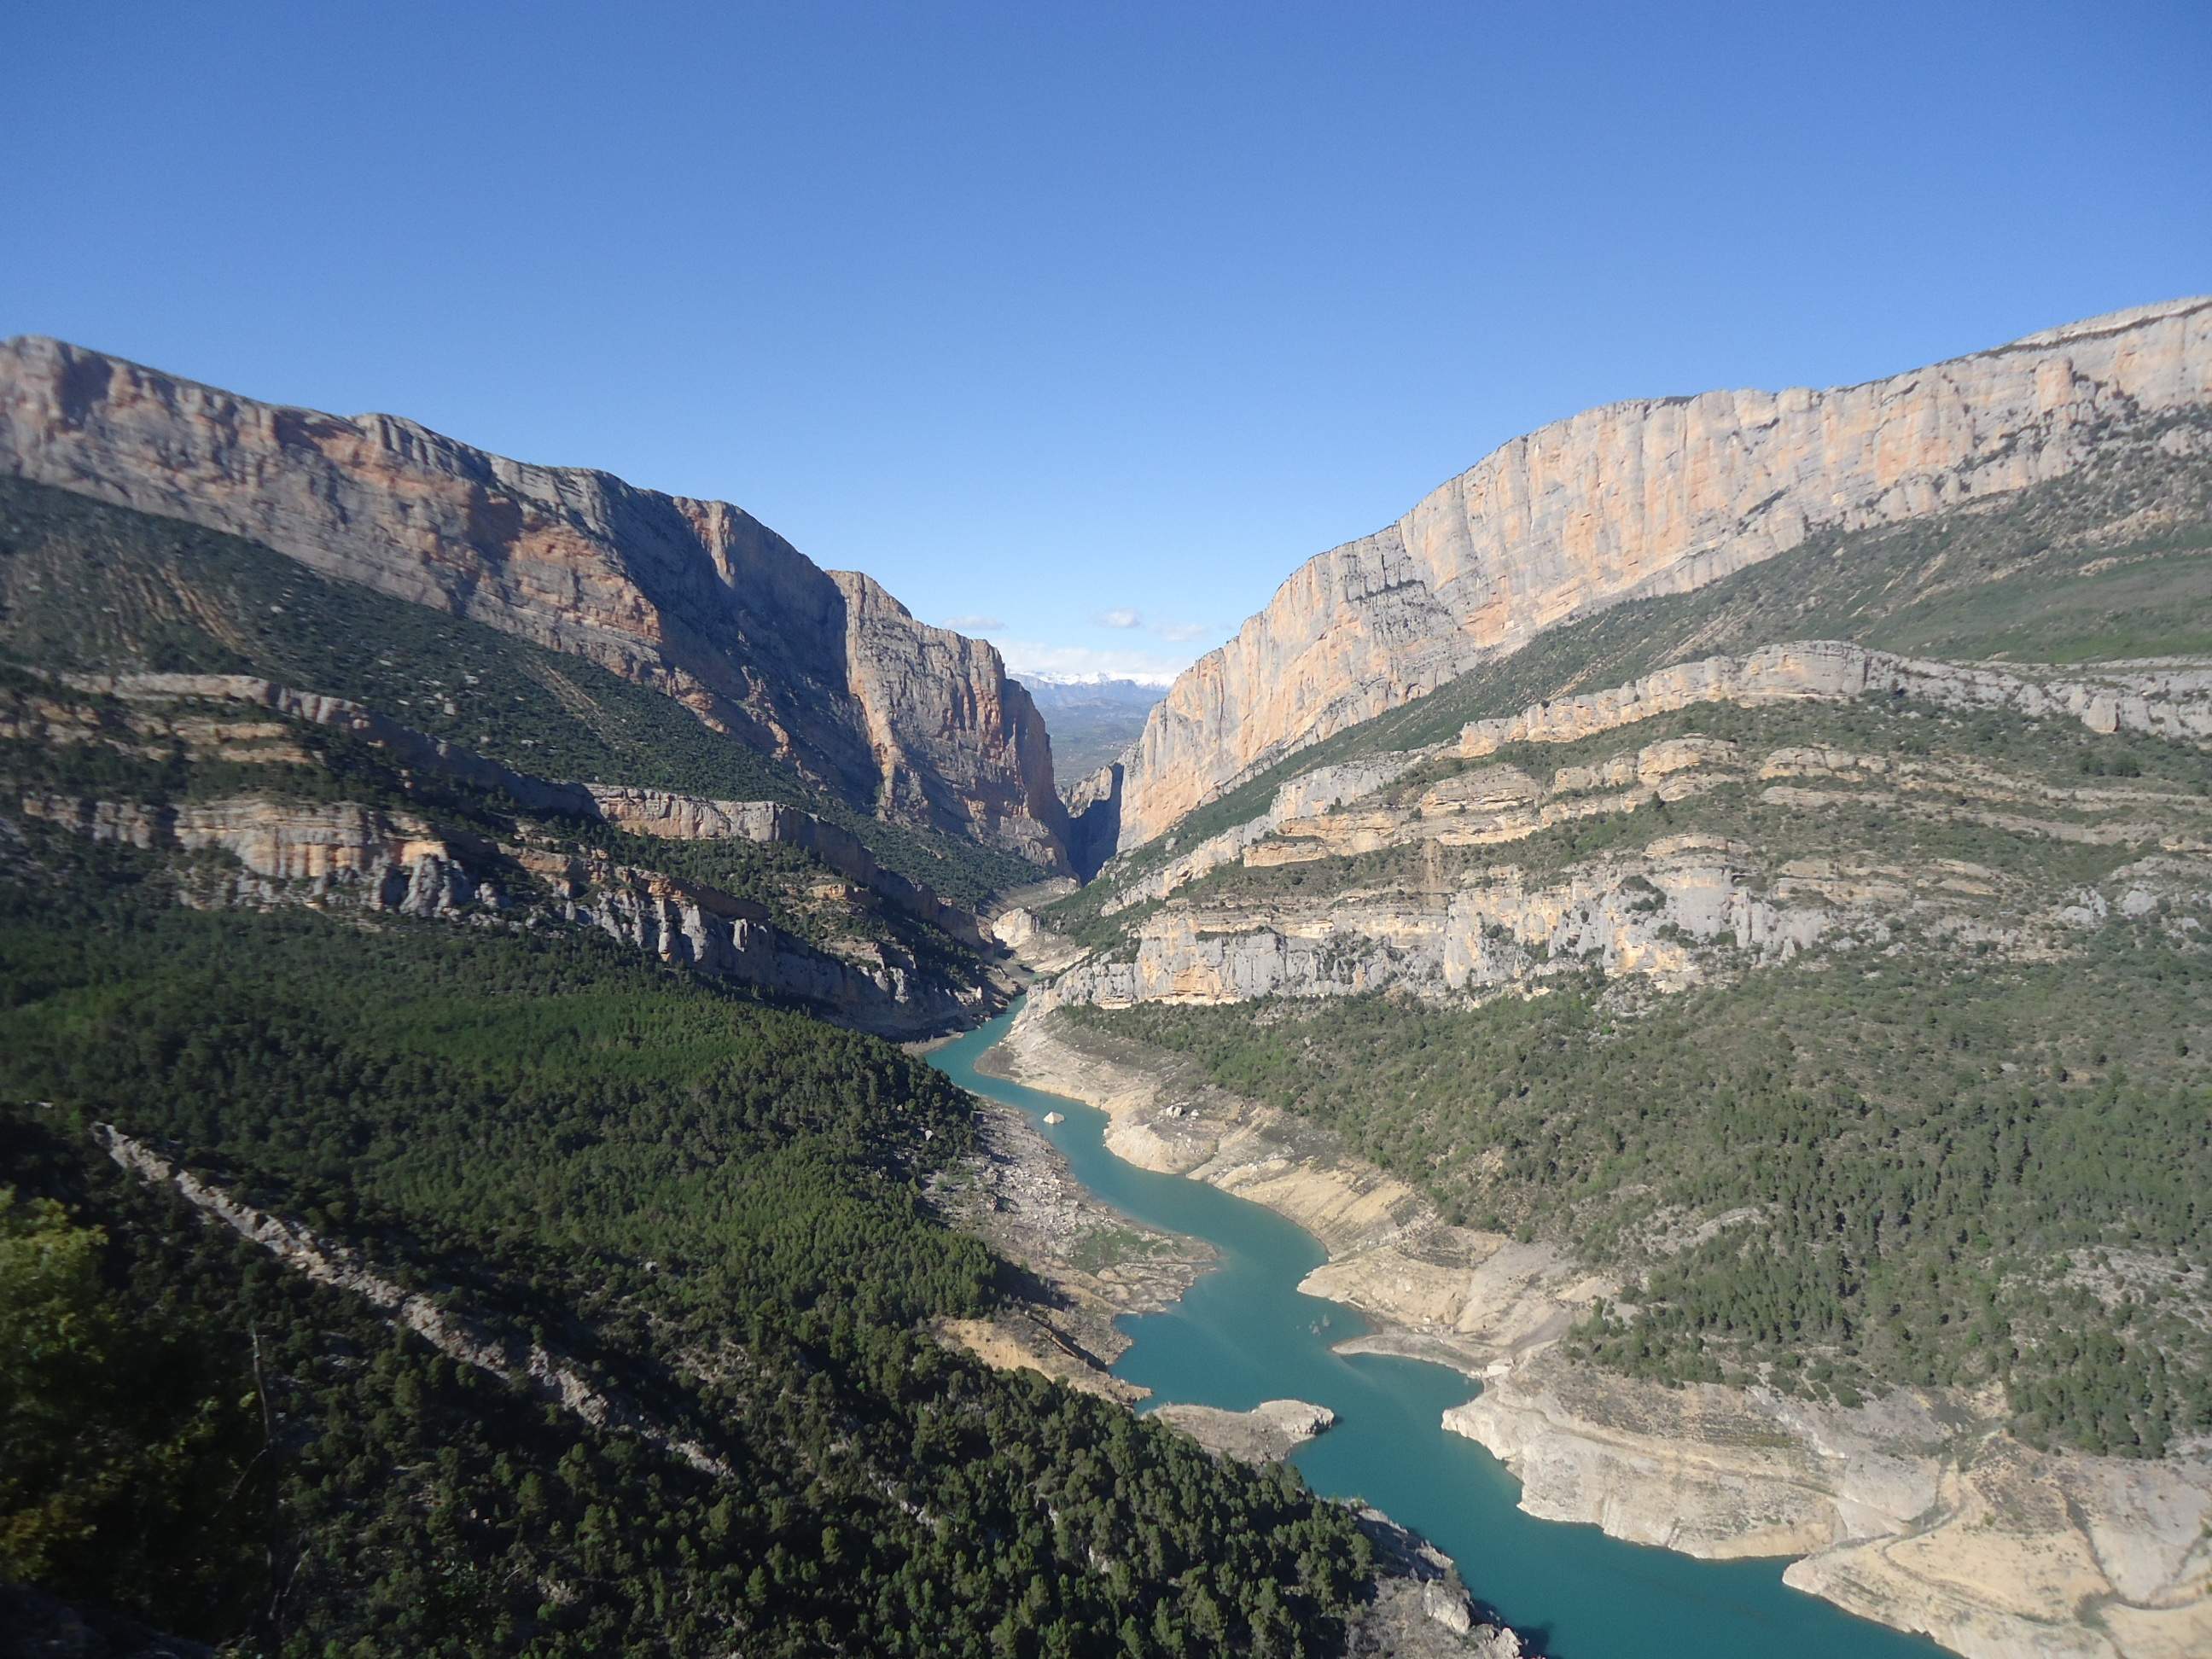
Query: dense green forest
[[96, 588], [1931, 1171], [714, 1210]]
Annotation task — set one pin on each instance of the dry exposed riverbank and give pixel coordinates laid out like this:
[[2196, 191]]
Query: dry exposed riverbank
[[1090, 1264], [1916, 1510]]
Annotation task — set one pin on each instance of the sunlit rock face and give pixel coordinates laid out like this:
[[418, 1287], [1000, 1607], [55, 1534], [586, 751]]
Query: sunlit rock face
[[1635, 499], [697, 599]]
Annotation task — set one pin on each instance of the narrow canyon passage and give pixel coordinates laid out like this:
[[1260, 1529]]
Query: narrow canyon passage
[[1244, 1333]]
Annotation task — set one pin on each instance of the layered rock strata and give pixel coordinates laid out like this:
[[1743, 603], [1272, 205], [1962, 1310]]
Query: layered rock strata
[[1447, 917], [2169, 698], [694, 598], [656, 812], [268, 851], [1638, 499]]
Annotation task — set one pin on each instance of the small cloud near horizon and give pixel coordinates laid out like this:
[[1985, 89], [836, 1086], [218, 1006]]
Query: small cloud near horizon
[[1031, 658], [1121, 617], [1180, 633], [972, 624]]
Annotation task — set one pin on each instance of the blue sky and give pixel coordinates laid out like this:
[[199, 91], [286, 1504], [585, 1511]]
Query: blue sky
[[1081, 324]]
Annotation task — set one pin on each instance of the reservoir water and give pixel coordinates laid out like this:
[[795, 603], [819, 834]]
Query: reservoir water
[[1244, 1333]]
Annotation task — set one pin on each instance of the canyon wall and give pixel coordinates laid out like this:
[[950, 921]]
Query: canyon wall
[[1414, 879], [1636, 498], [697, 599]]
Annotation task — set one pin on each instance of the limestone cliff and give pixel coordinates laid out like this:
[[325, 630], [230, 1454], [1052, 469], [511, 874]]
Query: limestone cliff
[[694, 598], [1635, 499], [1450, 872], [260, 851]]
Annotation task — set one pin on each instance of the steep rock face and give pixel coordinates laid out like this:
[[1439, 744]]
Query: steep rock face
[[1635, 499], [2169, 699], [697, 599]]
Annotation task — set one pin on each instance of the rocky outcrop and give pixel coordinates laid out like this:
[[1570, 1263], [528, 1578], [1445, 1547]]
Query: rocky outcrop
[[1303, 796], [1411, 881], [1675, 913], [1912, 1510], [694, 598], [270, 851], [864, 983], [689, 817], [656, 812], [2166, 699], [1269, 1432], [1636, 498], [314, 852], [1420, 1610]]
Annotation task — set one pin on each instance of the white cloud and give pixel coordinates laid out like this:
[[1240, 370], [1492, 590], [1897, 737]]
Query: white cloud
[[972, 624], [1121, 617], [1147, 667], [1180, 633]]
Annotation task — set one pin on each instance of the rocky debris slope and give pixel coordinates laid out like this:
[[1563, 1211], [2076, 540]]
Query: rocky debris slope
[[467, 1341], [1632, 499], [695, 599]]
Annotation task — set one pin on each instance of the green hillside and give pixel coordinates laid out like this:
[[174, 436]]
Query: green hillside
[[712, 1211]]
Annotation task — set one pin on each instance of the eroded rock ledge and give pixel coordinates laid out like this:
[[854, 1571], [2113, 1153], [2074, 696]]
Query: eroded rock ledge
[[1449, 915], [1268, 1433]]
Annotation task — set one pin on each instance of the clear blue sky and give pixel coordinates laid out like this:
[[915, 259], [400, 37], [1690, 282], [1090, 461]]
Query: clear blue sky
[[1045, 313]]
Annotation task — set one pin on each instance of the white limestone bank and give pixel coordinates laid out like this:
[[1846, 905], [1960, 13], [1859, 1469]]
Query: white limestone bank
[[1916, 1510]]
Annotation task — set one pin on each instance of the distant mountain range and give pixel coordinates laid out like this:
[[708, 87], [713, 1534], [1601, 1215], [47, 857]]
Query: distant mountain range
[[1093, 717]]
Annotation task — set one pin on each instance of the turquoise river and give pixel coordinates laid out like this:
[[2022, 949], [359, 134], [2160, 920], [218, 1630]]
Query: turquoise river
[[1245, 1333]]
